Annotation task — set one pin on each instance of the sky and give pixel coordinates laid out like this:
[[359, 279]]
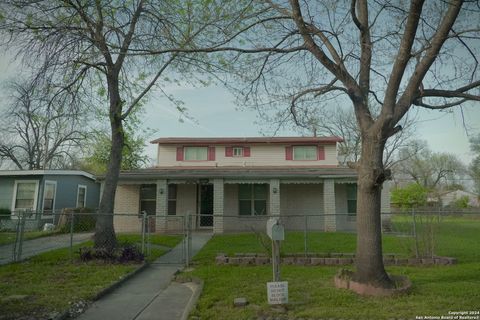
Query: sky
[[215, 114]]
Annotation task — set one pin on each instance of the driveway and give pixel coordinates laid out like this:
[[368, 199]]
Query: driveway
[[36, 246]]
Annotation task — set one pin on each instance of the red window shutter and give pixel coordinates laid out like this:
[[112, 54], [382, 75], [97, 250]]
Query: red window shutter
[[321, 153], [228, 151], [246, 151], [179, 153], [211, 153], [288, 153]]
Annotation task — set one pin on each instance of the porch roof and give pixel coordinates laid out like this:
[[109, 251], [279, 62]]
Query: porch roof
[[236, 173]]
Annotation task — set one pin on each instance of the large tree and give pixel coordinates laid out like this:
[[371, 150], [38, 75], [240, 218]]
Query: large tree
[[432, 170], [107, 49], [40, 128], [397, 55]]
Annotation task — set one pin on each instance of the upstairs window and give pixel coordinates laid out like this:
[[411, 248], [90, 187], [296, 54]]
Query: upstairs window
[[252, 199], [238, 152], [305, 153], [195, 153]]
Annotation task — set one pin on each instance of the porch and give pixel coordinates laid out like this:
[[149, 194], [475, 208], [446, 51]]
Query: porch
[[235, 205]]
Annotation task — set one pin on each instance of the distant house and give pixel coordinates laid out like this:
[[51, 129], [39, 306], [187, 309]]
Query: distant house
[[448, 198], [233, 184], [47, 191]]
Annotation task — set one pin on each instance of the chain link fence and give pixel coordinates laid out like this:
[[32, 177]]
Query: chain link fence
[[26, 234], [415, 231]]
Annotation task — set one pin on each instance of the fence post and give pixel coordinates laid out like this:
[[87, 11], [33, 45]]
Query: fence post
[[187, 240], [17, 249], [305, 232], [415, 232], [72, 224], [17, 239], [148, 218], [22, 231], [144, 216]]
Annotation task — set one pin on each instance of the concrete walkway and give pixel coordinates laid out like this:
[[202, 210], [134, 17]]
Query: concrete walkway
[[150, 294], [36, 246]]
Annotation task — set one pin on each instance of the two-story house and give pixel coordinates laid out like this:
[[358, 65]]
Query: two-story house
[[232, 184]]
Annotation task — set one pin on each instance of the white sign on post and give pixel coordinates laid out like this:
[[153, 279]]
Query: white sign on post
[[277, 292]]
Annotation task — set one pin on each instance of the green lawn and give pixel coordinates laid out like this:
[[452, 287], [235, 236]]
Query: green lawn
[[9, 237], [436, 290], [51, 281]]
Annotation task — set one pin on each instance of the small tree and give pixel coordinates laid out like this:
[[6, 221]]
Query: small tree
[[413, 195], [461, 203]]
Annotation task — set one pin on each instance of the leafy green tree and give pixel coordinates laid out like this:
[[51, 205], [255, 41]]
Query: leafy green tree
[[98, 155], [410, 196], [461, 203]]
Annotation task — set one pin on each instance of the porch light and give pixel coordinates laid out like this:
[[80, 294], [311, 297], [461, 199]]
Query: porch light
[[275, 190], [161, 190]]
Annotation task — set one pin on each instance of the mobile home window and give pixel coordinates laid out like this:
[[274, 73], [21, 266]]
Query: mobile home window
[[196, 153], [49, 194], [25, 195], [304, 153], [252, 199], [81, 196]]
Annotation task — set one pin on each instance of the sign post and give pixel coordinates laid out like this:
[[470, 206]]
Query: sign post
[[277, 290]]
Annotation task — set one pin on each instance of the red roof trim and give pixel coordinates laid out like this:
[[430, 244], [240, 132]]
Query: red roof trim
[[249, 140]]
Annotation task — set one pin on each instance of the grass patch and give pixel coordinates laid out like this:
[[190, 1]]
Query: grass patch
[[49, 282], [9, 237], [436, 290]]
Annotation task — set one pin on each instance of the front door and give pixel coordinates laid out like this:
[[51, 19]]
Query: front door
[[206, 205]]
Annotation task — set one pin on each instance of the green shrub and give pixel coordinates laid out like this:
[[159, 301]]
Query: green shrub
[[413, 195], [5, 213], [461, 203]]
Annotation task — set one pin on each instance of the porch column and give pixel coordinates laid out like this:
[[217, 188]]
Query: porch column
[[329, 205], [218, 204], [274, 199], [162, 205]]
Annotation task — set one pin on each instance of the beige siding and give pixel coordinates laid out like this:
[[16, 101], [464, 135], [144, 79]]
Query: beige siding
[[186, 199], [126, 209], [261, 155], [298, 200]]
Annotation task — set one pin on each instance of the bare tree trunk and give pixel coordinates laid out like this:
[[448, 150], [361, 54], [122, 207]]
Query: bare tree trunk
[[371, 175], [104, 230]]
